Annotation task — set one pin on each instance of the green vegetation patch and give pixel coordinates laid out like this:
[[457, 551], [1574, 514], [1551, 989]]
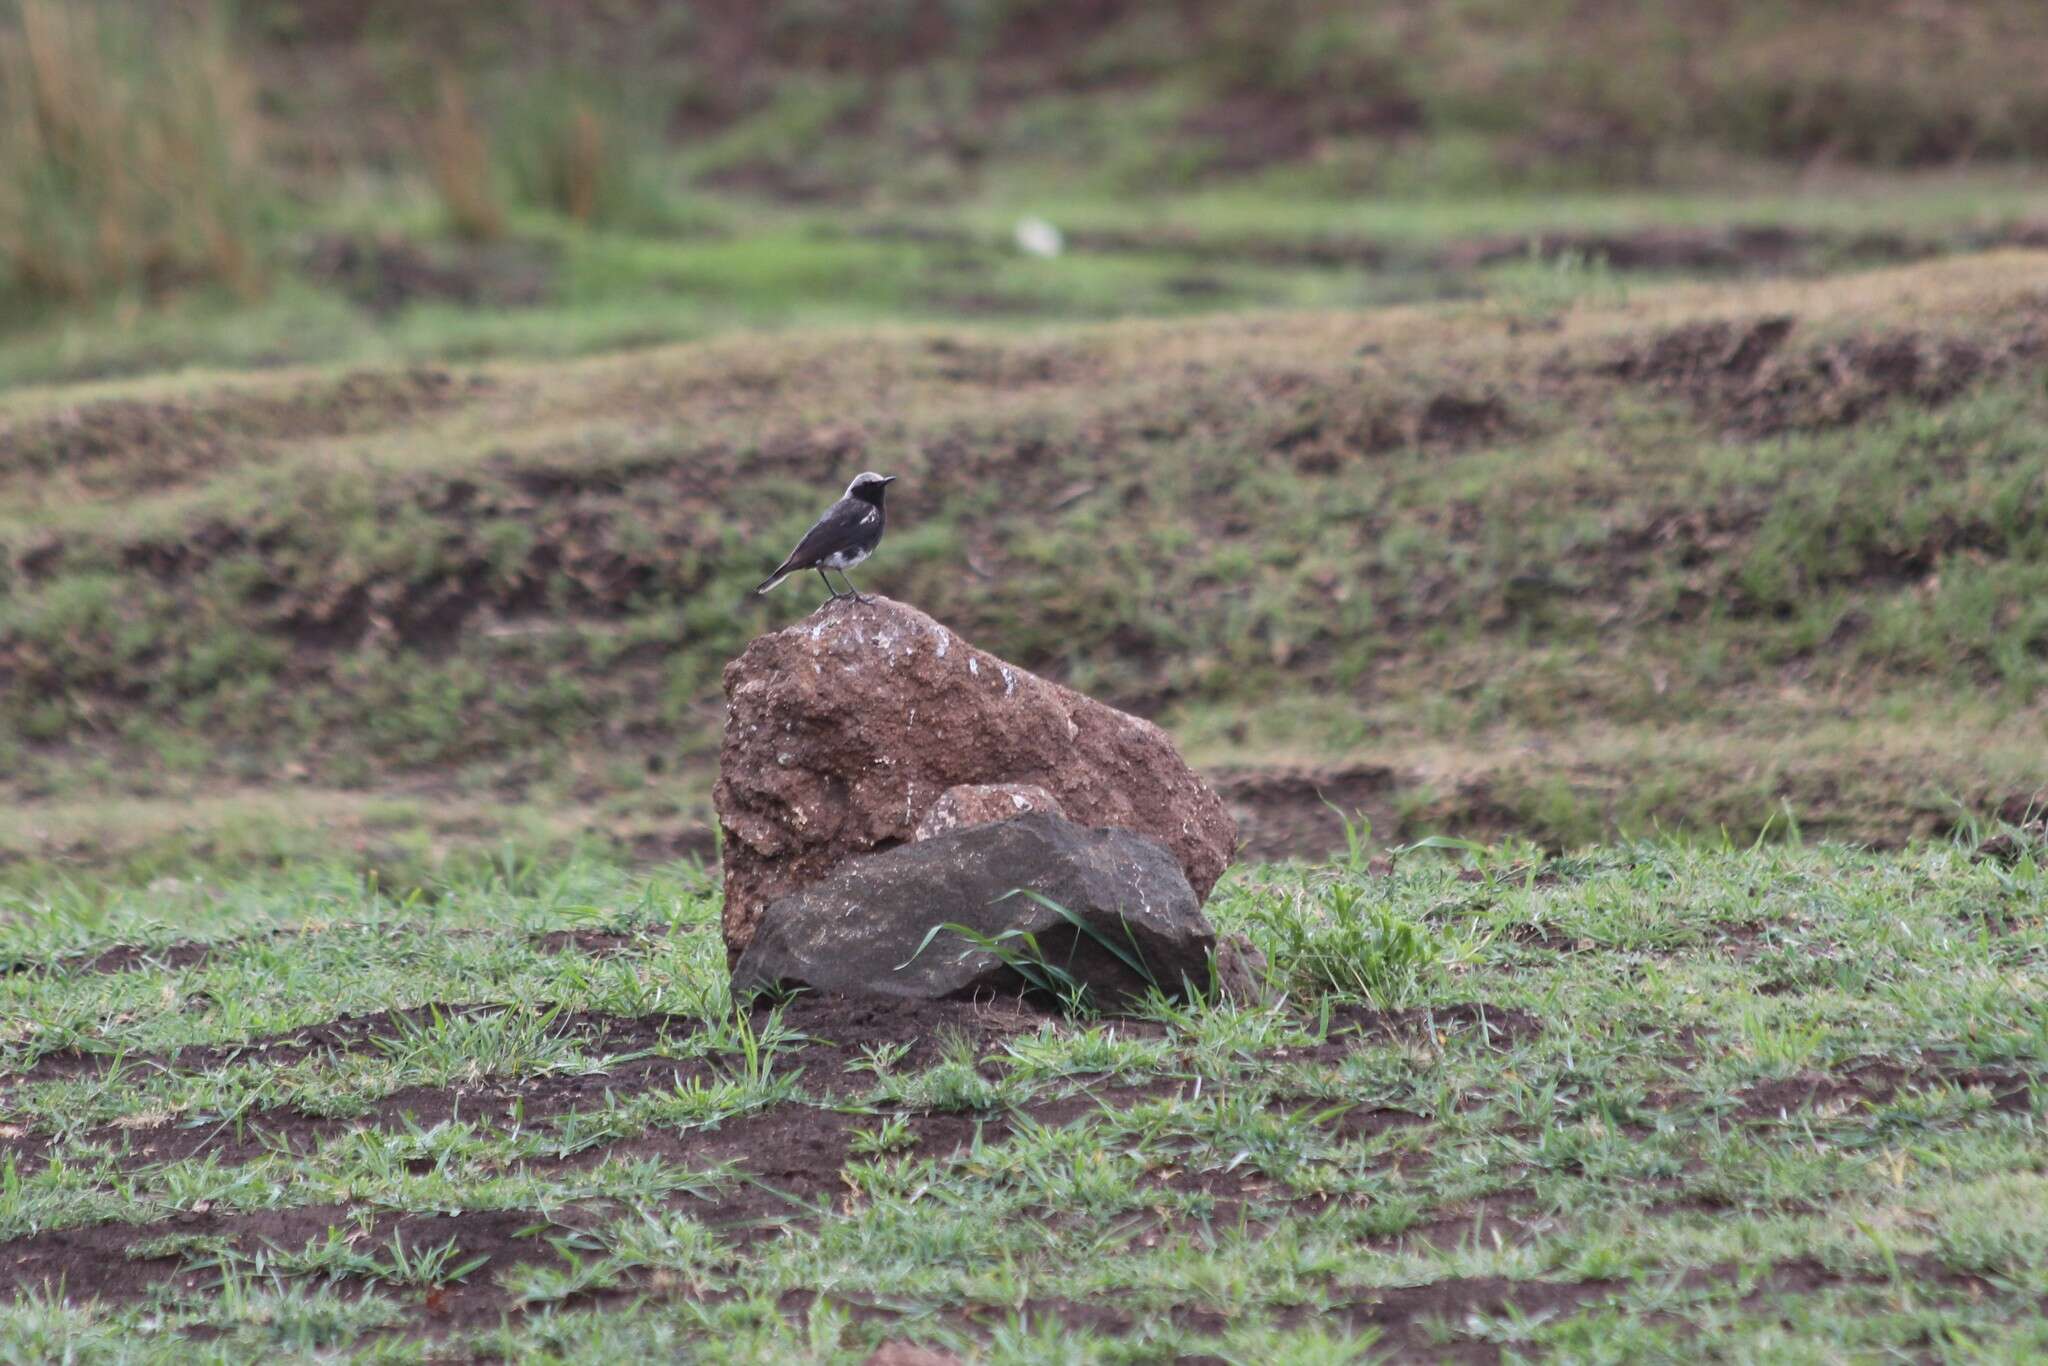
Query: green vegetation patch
[[1781, 1100]]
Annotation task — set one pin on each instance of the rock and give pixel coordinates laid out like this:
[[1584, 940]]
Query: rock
[[863, 930], [979, 803], [844, 730]]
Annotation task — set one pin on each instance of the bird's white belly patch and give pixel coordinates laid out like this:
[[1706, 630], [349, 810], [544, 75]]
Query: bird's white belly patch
[[844, 559]]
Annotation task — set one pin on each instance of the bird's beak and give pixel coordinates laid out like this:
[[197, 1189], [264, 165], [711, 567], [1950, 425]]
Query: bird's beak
[[889, 479]]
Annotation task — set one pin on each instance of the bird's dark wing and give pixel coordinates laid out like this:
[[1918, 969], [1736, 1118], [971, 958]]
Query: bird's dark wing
[[844, 524]]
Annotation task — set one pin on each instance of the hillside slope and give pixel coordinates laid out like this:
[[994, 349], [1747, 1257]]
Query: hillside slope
[[1693, 557]]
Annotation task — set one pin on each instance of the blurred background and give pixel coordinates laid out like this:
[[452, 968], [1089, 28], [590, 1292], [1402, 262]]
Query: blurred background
[[1524, 419]]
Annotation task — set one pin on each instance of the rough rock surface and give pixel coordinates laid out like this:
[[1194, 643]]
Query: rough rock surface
[[843, 730], [979, 803], [863, 931]]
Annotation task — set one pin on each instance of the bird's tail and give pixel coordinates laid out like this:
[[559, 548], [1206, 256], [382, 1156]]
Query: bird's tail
[[768, 584]]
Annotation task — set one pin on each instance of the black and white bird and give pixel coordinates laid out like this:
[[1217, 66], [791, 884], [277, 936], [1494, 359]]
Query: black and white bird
[[847, 534]]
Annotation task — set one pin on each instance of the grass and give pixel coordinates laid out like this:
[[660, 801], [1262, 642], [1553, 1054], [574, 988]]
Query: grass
[[459, 164], [1405, 549], [634, 182], [378, 510], [130, 155], [1778, 1101], [674, 266]]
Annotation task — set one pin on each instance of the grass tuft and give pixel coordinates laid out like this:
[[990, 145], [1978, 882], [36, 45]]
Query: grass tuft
[[571, 151], [129, 146], [1353, 944], [460, 165]]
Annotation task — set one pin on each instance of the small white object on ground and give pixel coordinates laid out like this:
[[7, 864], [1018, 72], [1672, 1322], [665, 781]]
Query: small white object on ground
[[1036, 237]]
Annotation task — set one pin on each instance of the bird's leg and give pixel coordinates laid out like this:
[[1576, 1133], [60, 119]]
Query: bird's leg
[[849, 593], [828, 587], [857, 597]]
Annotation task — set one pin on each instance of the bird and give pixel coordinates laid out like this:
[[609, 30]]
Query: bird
[[847, 534]]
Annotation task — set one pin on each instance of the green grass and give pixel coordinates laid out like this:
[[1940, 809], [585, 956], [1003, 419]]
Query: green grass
[[361, 637], [712, 264], [1777, 1102]]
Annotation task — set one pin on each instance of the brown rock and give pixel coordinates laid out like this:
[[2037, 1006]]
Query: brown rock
[[843, 731], [979, 803]]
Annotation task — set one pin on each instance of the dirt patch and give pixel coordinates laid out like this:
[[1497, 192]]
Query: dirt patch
[[120, 958], [135, 445], [1253, 127], [1743, 376], [386, 274], [1284, 813], [107, 1262], [1496, 1027], [356, 1033], [1701, 355], [1332, 252], [1509, 1219], [597, 943], [1758, 248], [840, 1034], [1873, 1083], [1454, 419], [1004, 367], [587, 557], [830, 1033], [1060, 1111], [1404, 1315], [1320, 426], [1300, 812], [1351, 1123], [2028, 838], [833, 1041], [792, 1157], [835, 1044]]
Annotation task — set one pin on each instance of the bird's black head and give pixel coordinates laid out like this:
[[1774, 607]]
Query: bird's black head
[[869, 486]]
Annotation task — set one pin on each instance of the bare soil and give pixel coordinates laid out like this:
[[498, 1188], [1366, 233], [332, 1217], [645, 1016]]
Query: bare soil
[[1745, 376], [385, 274]]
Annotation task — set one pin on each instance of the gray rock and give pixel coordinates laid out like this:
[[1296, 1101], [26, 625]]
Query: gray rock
[[863, 930]]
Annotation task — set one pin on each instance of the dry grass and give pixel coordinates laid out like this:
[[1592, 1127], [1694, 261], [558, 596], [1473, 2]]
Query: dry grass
[[128, 155], [569, 150], [459, 163], [580, 163]]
